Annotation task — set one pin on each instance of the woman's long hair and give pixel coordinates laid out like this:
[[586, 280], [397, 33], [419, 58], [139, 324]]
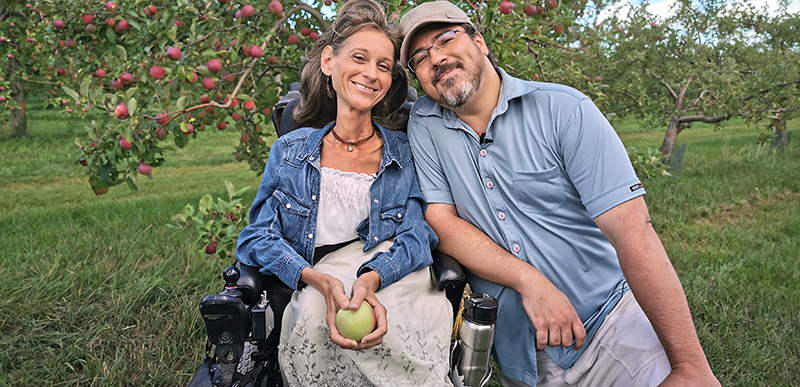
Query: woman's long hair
[[318, 107]]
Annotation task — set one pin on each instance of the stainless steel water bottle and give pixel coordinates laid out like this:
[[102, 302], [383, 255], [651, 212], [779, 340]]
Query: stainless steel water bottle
[[474, 341]]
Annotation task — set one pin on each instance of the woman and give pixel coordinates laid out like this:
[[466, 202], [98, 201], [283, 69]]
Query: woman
[[350, 188]]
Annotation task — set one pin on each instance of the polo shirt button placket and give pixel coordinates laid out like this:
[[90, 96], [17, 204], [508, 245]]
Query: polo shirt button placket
[[484, 152], [489, 185], [501, 216], [516, 248]]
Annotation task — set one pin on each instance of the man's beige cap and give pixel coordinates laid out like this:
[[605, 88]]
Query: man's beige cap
[[425, 14]]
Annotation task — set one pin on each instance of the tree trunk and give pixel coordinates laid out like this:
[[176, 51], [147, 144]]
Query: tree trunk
[[670, 138], [18, 122]]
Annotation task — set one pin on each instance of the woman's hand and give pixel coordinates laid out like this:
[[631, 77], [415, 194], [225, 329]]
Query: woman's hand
[[364, 290], [332, 290]]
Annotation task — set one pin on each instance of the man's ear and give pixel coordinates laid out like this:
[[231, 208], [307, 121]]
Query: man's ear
[[325, 60], [478, 39]]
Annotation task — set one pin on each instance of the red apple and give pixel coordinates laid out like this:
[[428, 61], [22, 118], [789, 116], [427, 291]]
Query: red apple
[[121, 111], [111, 6], [211, 248], [191, 77], [222, 125], [126, 78], [272, 60], [117, 84], [124, 144], [208, 83], [214, 65], [161, 134], [313, 36], [293, 39], [179, 23], [157, 72], [59, 24], [204, 99], [174, 53], [152, 10], [72, 44], [275, 7], [87, 18], [236, 116], [256, 51], [305, 31], [101, 191], [144, 169], [123, 25], [162, 118], [248, 11], [91, 28], [553, 3], [100, 73], [61, 72], [249, 105], [110, 22], [506, 7]]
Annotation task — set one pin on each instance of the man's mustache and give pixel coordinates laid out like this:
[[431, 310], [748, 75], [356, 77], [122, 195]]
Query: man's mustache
[[443, 69]]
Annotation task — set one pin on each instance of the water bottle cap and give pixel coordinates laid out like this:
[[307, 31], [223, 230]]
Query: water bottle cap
[[480, 308]]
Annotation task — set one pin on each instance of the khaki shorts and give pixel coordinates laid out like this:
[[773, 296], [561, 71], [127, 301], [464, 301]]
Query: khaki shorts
[[625, 352]]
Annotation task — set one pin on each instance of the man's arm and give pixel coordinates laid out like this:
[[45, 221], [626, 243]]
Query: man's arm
[[549, 310], [658, 290]]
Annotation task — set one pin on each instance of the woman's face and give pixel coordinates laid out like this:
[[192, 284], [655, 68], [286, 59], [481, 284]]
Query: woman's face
[[361, 71]]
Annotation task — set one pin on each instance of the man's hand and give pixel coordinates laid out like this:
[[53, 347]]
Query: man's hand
[[680, 377], [553, 316], [550, 311]]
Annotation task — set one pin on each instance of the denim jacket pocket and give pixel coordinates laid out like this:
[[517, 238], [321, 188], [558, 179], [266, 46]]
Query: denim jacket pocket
[[391, 218], [539, 192], [293, 214]]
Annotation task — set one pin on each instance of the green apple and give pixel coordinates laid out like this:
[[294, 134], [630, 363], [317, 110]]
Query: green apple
[[355, 324]]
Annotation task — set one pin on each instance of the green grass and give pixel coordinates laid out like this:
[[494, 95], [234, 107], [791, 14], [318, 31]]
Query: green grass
[[97, 291]]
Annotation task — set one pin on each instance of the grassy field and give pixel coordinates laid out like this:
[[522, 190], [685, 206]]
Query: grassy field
[[97, 291]]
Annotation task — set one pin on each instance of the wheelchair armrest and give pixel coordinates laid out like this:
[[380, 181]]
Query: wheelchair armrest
[[251, 283], [446, 272]]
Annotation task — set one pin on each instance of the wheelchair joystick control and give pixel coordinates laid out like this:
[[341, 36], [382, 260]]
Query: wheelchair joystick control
[[231, 276]]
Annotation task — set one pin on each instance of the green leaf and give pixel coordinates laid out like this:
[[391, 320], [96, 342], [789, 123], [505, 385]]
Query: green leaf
[[131, 184], [244, 97], [181, 102], [171, 34], [241, 191], [85, 86], [122, 53], [209, 53], [132, 105], [129, 94], [205, 204], [71, 93], [231, 189], [111, 35]]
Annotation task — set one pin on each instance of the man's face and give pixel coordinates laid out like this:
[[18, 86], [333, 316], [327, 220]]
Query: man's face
[[451, 75]]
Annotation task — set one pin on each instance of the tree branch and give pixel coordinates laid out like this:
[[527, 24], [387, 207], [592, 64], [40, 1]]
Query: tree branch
[[701, 118]]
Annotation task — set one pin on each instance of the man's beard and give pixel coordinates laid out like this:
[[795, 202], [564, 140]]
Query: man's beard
[[455, 94]]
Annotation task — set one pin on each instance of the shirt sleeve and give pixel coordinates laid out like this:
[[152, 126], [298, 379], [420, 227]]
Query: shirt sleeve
[[431, 176], [261, 243], [414, 240], [596, 160]]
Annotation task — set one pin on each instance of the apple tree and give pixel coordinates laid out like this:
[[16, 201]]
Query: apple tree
[[708, 62]]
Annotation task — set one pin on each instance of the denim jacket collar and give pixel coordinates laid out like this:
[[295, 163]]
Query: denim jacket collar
[[391, 149]]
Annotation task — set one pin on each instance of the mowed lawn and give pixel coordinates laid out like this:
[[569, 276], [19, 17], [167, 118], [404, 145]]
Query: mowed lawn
[[97, 291]]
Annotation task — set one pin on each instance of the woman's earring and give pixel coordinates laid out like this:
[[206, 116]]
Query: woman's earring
[[328, 87]]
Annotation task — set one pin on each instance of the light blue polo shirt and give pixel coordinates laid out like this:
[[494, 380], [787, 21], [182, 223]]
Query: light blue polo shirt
[[549, 164]]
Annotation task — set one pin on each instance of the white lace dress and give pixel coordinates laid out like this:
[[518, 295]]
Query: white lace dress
[[415, 350]]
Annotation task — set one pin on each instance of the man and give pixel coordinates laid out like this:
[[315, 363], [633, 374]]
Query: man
[[530, 188]]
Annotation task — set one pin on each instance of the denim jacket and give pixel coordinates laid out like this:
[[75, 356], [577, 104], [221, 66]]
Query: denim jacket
[[283, 219]]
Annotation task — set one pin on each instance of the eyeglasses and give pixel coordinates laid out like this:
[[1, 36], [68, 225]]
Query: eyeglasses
[[441, 42]]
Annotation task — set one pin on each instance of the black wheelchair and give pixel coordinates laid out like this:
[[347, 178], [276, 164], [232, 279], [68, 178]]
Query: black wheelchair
[[243, 321]]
